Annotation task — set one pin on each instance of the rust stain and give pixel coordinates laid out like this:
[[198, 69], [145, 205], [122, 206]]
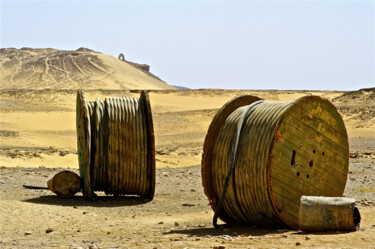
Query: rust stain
[[278, 136]]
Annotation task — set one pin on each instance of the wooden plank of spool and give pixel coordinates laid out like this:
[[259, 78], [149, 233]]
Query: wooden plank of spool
[[209, 144], [315, 140], [150, 145], [84, 143]]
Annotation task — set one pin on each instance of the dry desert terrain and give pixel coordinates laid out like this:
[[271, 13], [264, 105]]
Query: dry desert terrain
[[38, 140]]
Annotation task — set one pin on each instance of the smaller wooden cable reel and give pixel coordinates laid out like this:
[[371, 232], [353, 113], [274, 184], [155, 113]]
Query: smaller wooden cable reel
[[64, 184], [116, 146], [260, 157]]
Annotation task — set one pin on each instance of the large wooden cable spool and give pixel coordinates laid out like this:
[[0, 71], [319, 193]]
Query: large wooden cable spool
[[116, 146], [285, 150]]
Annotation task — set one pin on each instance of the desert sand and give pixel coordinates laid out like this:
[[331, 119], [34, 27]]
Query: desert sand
[[38, 139], [28, 68]]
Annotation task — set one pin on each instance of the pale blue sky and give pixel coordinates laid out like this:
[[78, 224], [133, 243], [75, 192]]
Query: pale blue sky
[[318, 45]]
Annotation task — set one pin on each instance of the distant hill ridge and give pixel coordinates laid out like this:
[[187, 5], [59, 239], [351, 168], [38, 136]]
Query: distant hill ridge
[[29, 68], [362, 95]]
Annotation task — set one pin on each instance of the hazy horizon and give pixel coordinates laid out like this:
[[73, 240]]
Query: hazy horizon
[[276, 45]]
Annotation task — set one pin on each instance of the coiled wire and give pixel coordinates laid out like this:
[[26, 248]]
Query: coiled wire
[[247, 198], [120, 147]]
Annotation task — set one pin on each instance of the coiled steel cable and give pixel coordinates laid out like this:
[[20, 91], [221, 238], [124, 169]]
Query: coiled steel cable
[[233, 151], [116, 146], [239, 168]]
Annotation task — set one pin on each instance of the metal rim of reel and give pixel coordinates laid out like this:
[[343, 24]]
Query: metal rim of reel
[[209, 143]]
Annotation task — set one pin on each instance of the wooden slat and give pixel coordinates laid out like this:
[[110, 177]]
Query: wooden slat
[[316, 139], [337, 137], [283, 154], [289, 212], [324, 110], [84, 142], [289, 178], [301, 137]]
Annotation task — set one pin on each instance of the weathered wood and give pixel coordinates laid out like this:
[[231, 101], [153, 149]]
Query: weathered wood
[[84, 144], [65, 184], [285, 150], [321, 156], [150, 138]]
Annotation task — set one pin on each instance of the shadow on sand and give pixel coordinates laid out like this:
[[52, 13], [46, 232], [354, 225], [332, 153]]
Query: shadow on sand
[[245, 231], [232, 231], [79, 201]]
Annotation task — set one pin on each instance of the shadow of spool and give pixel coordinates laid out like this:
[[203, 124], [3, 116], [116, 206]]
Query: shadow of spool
[[78, 201]]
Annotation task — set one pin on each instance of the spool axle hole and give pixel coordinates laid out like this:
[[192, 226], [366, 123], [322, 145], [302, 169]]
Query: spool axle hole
[[298, 174], [323, 154], [292, 162], [311, 163], [314, 151], [307, 176]]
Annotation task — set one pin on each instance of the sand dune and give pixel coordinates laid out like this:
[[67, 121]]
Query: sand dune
[[28, 68]]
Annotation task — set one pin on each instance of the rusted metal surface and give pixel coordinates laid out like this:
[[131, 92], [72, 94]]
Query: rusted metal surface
[[317, 213], [285, 150], [119, 158]]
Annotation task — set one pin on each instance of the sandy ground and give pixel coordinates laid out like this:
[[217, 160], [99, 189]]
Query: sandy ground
[[38, 140]]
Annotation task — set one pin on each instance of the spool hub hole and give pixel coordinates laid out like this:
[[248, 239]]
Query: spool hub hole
[[292, 162]]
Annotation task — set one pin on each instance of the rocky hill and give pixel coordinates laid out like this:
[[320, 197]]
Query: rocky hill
[[362, 95], [357, 107], [29, 68]]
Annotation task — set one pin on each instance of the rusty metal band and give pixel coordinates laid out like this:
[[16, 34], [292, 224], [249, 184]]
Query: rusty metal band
[[117, 155]]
